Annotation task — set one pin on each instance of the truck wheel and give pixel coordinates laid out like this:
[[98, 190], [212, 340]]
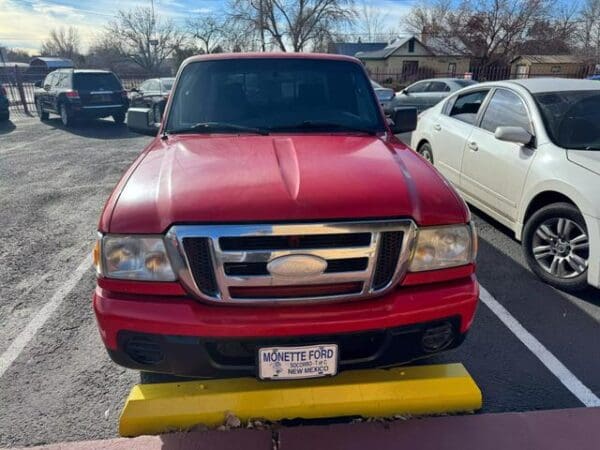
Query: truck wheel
[[556, 246], [426, 152], [40, 110], [119, 118], [65, 116]]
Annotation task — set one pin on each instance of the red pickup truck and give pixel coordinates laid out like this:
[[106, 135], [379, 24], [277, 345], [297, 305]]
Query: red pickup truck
[[277, 228]]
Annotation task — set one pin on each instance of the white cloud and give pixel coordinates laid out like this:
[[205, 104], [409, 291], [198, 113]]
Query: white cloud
[[25, 26]]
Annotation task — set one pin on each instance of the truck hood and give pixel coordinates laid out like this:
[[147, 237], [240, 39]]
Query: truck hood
[[224, 178]]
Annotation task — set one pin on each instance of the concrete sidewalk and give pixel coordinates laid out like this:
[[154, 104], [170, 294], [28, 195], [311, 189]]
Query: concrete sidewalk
[[545, 430]]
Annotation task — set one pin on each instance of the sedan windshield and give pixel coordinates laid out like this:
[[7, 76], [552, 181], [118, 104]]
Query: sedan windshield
[[274, 95], [572, 118]]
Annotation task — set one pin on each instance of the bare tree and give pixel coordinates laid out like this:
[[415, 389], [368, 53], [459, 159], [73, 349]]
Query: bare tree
[[146, 40], [370, 22], [589, 30], [292, 24], [63, 42], [491, 30], [208, 30]]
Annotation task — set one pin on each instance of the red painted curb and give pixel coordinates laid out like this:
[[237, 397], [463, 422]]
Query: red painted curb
[[563, 429], [196, 440], [545, 430]]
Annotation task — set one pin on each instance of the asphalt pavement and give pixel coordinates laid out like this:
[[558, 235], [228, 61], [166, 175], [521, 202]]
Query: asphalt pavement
[[56, 381]]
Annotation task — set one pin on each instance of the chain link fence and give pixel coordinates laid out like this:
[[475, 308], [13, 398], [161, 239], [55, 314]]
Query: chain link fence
[[20, 86]]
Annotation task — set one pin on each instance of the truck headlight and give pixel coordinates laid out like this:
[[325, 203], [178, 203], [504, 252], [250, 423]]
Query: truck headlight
[[444, 247], [135, 258]]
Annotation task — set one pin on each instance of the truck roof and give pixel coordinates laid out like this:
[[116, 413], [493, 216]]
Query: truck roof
[[273, 55]]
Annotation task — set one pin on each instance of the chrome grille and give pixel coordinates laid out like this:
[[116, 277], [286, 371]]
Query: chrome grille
[[228, 263]]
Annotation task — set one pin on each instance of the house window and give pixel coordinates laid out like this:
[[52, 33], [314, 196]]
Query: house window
[[411, 46], [555, 69], [452, 69]]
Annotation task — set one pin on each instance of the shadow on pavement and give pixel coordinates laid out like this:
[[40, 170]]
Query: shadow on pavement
[[95, 129], [7, 127]]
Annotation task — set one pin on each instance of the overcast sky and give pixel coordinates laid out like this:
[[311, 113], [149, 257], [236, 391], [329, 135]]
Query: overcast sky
[[25, 23]]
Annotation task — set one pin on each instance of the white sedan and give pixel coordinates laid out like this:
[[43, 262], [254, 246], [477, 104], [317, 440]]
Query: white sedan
[[527, 152]]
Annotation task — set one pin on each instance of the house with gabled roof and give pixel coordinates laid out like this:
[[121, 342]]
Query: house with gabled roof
[[410, 57]]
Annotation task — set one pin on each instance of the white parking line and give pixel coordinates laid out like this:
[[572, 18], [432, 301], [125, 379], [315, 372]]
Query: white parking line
[[16, 347], [558, 369]]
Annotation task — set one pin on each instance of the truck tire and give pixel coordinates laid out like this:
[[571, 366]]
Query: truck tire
[[43, 115], [556, 246], [119, 118]]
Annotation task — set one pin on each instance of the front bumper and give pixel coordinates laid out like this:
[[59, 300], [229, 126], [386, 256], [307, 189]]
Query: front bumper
[[191, 338]]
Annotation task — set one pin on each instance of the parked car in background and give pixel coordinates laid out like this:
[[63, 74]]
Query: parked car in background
[[384, 95], [152, 93], [426, 93], [4, 112], [81, 94], [527, 152], [276, 181]]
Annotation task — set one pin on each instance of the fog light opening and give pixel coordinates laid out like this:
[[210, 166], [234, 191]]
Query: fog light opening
[[437, 338]]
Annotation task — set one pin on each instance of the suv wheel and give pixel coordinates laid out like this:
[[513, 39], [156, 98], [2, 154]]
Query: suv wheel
[[556, 246], [65, 117], [156, 113], [426, 152], [119, 118], [40, 110]]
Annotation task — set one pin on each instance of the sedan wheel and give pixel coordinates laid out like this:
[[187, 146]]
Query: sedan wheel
[[426, 152], [557, 246]]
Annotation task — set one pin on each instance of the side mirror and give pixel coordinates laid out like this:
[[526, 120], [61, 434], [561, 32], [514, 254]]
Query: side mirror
[[141, 120], [38, 84], [517, 135], [404, 119]]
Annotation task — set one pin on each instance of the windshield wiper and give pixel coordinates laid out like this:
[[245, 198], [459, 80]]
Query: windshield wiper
[[324, 126], [209, 127]]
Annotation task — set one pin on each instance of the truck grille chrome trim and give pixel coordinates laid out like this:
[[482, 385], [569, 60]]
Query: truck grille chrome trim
[[214, 262]]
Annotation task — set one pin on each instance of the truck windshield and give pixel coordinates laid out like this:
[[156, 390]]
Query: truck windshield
[[274, 95], [572, 118]]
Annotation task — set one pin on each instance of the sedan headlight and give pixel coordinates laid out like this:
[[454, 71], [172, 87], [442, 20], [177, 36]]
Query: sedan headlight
[[135, 258], [444, 247]]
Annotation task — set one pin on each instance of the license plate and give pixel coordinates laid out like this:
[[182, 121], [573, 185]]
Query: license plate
[[101, 98], [289, 363]]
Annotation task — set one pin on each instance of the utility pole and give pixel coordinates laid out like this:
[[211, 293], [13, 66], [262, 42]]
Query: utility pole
[[153, 41], [262, 25]]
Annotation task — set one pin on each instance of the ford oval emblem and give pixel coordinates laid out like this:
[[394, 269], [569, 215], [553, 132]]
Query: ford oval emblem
[[297, 266]]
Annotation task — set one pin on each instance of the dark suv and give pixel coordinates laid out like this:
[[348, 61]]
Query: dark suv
[[85, 94], [4, 113]]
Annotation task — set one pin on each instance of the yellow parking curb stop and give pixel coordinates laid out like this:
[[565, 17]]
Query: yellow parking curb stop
[[157, 408]]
